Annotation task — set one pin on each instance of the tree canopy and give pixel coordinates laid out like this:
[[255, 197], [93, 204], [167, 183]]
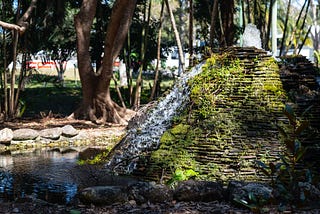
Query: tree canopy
[[30, 26]]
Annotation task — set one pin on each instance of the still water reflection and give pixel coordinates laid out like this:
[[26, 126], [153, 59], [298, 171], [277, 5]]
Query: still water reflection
[[41, 174]]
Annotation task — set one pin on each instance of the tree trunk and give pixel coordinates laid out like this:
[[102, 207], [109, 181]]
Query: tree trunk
[[97, 104], [60, 66], [12, 108], [144, 36], [248, 11], [266, 43], [127, 59], [293, 33], [176, 34], [156, 77], [227, 10], [19, 28], [5, 75], [190, 33], [284, 35], [214, 15]]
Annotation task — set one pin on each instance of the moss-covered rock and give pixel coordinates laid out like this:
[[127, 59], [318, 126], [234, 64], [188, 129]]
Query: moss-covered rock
[[180, 129], [235, 104]]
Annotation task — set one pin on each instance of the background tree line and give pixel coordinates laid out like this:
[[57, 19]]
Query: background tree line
[[144, 30]]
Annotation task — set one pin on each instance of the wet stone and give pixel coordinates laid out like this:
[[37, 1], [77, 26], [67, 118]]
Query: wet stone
[[6, 136], [103, 195], [199, 191], [143, 192], [309, 191], [53, 134], [25, 134], [238, 190]]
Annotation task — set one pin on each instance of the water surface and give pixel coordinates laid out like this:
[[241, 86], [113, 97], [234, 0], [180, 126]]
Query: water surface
[[51, 175]]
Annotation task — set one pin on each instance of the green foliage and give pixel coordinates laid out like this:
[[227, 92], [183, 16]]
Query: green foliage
[[97, 159], [218, 72], [22, 108], [285, 174], [180, 129], [173, 155], [181, 175], [75, 211]]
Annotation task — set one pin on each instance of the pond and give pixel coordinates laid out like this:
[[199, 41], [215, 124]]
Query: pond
[[53, 175]]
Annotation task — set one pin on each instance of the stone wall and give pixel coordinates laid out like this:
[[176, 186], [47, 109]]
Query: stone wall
[[230, 123], [298, 76]]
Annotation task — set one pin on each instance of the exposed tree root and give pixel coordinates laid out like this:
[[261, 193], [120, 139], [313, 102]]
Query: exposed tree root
[[104, 112]]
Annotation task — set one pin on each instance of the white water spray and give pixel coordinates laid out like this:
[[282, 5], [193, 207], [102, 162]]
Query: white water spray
[[147, 136], [251, 36]]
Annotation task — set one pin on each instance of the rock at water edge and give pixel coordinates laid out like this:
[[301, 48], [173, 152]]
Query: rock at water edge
[[6, 135], [103, 195], [199, 191], [52, 134], [69, 131], [25, 134]]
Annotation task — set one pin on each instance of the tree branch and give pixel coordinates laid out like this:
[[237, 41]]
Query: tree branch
[[23, 20], [22, 24], [10, 26]]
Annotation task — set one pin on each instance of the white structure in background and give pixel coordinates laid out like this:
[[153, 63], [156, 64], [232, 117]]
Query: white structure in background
[[172, 62], [41, 61], [123, 74], [251, 36]]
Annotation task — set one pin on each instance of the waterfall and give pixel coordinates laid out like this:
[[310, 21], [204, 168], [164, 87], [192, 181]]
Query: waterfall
[[147, 135]]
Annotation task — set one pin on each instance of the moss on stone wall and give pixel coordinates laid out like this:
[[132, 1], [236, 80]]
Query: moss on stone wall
[[230, 122]]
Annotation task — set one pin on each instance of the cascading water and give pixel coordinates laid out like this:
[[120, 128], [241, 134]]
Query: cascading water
[[251, 36], [147, 135]]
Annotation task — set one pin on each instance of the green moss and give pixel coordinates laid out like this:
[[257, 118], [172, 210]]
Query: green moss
[[180, 129], [231, 115], [166, 138]]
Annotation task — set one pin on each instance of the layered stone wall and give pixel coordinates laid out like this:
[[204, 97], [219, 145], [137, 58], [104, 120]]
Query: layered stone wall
[[231, 121], [298, 76]]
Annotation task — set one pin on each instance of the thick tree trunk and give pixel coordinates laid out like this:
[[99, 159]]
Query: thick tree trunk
[[214, 14], [83, 22], [227, 11], [97, 104]]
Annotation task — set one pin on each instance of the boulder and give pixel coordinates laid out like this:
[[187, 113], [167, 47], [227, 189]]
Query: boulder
[[143, 192], [309, 192], [52, 134], [103, 195], [6, 136], [240, 191], [69, 131], [205, 191], [25, 134]]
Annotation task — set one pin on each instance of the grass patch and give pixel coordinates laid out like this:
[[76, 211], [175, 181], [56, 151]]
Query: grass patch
[[43, 95]]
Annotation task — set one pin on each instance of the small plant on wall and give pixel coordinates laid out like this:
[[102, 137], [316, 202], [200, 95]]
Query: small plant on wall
[[289, 173]]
